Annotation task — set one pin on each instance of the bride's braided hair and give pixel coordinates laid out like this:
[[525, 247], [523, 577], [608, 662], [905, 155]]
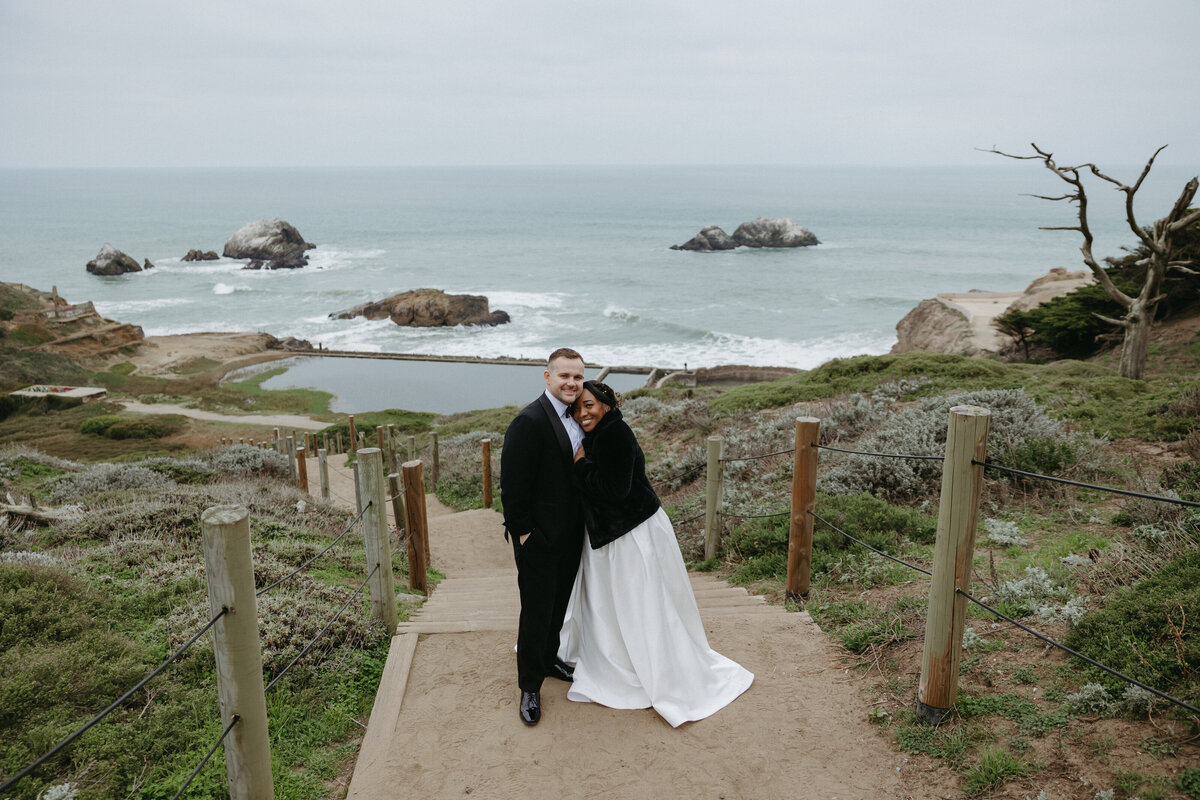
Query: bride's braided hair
[[604, 393]]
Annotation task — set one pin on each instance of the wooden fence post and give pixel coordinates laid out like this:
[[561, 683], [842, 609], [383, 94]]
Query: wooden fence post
[[302, 468], [289, 445], [353, 434], [358, 506], [712, 498], [379, 442], [958, 513], [416, 522], [237, 650], [804, 494], [323, 465], [417, 559], [433, 461], [486, 444], [375, 534], [396, 489], [412, 448], [390, 452]]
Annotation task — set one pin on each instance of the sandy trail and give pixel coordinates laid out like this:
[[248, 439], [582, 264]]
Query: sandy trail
[[269, 420], [445, 722]]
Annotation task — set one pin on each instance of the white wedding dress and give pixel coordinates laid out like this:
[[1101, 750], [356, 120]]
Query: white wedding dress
[[634, 634]]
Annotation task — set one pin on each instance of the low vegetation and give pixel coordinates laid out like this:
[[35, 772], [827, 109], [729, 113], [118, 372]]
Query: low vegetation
[[91, 605]]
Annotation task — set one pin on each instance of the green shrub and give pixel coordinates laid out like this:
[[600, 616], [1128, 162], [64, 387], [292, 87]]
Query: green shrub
[[98, 426], [1016, 423], [1140, 632], [244, 460], [115, 427], [1189, 782]]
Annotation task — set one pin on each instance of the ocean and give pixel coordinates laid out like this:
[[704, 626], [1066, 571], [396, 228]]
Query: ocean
[[578, 256]]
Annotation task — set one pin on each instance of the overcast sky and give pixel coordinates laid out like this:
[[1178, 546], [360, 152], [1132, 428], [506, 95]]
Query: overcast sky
[[119, 83]]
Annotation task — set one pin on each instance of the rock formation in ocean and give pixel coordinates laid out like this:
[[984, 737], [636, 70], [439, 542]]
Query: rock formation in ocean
[[773, 232], [146, 264], [428, 308], [709, 238], [273, 243], [762, 232], [111, 261], [962, 322], [201, 255]]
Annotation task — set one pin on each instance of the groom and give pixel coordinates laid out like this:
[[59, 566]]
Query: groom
[[543, 519]]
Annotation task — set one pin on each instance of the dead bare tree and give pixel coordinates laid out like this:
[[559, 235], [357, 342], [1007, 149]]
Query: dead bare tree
[[1159, 242]]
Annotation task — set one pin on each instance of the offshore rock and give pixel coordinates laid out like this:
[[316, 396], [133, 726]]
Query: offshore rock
[[709, 238], [269, 240], [773, 232], [201, 255], [111, 261], [146, 264], [428, 308], [293, 260]]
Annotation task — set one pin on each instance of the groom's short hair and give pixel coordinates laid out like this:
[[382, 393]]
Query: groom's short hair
[[562, 352]]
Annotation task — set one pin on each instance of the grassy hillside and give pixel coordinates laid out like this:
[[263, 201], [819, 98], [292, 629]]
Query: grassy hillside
[[90, 605]]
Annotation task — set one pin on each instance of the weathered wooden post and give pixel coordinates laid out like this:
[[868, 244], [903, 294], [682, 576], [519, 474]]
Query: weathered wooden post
[[323, 465], [434, 466], [958, 513], [417, 561], [379, 440], [396, 489], [289, 445], [390, 452], [358, 507], [412, 448], [804, 495], [236, 647], [712, 498], [353, 433], [416, 523], [302, 468], [375, 533], [325, 441], [487, 472]]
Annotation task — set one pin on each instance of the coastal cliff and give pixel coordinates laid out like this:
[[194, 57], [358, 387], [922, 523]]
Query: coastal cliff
[[962, 322]]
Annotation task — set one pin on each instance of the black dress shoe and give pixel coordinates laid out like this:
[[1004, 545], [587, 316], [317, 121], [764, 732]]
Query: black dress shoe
[[562, 671], [531, 707]]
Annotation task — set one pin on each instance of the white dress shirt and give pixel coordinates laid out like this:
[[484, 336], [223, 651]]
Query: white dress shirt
[[574, 432]]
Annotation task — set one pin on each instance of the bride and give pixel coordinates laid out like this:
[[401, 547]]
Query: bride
[[632, 629]]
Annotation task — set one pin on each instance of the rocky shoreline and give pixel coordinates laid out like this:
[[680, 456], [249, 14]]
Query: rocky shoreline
[[962, 322], [952, 322]]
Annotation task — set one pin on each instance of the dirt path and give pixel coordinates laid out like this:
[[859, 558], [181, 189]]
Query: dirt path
[[270, 420], [445, 722]]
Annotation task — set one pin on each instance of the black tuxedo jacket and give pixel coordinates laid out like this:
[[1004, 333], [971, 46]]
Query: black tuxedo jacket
[[536, 488]]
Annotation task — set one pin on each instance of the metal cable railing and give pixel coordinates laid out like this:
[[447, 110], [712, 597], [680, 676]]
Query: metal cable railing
[[1079, 655], [1109, 489], [321, 632], [113, 706], [836, 529], [300, 568], [726, 460], [236, 719], [878, 455]]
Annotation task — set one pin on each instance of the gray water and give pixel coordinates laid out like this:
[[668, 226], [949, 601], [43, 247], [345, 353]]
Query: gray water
[[577, 255]]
